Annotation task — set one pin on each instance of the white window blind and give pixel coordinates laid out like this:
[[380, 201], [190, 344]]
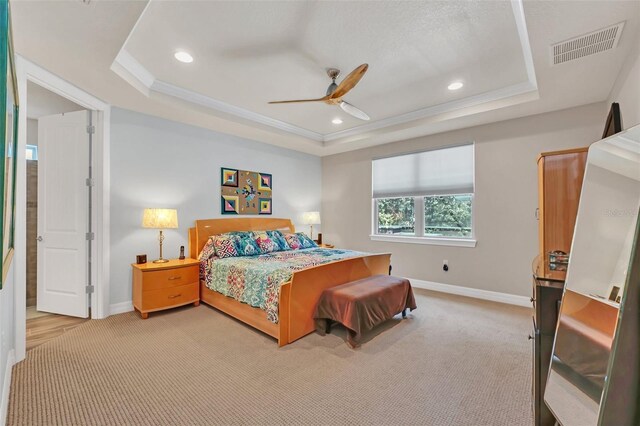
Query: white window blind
[[438, 172]]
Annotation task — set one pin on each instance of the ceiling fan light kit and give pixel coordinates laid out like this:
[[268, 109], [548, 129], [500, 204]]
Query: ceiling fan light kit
[[356, 112], [183, 56], [335, 92]]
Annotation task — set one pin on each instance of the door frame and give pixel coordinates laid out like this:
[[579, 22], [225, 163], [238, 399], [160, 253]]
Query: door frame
[[28, 71]]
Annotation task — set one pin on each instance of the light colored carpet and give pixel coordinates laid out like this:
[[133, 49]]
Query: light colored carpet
[[454, 361]]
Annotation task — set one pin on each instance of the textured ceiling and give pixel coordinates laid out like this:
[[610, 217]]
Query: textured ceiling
[[247, 53]]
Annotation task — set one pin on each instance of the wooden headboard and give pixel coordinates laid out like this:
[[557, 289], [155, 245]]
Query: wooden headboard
[[204, 228]]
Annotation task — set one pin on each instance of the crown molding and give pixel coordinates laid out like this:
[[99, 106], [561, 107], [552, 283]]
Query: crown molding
[[132, 71], [217, 105], [471, 101], [525, 45]]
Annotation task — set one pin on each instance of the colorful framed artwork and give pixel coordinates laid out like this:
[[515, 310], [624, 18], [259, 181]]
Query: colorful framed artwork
[[9, 107], [229, 204], [245, 192], [229, 177], [264, 181], [265, 206]]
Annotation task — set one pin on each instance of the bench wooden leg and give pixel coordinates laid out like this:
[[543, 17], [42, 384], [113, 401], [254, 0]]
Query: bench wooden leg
[[404, 313], [327, 326]]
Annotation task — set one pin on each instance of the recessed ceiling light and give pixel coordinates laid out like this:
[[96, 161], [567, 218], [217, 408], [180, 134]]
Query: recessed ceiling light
[[455, 85], [336, 121], [183, 56]]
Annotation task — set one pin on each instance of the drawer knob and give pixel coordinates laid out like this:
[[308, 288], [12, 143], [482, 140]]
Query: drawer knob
[[177, 295], [174, 278]]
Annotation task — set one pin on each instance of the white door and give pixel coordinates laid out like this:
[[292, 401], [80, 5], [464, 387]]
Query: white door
[[63, 212]]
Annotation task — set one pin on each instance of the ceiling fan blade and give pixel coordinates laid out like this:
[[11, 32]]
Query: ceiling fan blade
[[350, 81], [300, 100], [356, 112]]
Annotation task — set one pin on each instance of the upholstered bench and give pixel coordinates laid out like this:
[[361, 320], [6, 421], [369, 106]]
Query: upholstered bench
[[363, 304]]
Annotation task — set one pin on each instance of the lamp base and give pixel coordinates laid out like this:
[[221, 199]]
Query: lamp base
[[161, 261]]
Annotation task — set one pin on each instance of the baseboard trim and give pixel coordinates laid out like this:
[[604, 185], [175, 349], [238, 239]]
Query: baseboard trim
[[494, 296], [120, 308], [6, 386]]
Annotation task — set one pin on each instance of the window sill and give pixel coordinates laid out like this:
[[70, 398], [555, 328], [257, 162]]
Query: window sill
[[453, 242]]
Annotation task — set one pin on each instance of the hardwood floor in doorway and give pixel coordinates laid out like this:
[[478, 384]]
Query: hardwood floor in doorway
[[43, 327]]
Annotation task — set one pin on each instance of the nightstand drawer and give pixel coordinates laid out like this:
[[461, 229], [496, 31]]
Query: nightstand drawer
[[167, 297], [156, 280]]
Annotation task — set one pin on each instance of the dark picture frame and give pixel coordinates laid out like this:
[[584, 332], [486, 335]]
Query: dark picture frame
[[9, 109], [245, 192], [613, 124]]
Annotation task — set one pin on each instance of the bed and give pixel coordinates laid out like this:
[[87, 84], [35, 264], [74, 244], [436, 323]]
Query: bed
[[297, 297]]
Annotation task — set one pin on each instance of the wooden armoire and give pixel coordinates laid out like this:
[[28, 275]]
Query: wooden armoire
[[560, 175]]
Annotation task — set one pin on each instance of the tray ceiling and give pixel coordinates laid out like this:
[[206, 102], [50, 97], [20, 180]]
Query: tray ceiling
[[249, 53]]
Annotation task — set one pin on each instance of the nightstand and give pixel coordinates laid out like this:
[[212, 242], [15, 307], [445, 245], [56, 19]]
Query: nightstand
[[326, 245], [159, 286]]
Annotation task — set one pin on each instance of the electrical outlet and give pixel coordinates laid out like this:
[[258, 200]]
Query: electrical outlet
[[445, 266]]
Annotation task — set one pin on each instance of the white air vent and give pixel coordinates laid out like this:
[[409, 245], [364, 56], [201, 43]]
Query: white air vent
[[585, 45]]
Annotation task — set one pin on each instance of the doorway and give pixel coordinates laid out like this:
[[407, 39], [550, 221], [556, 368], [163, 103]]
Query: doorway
[[58, 211], [27, 71]]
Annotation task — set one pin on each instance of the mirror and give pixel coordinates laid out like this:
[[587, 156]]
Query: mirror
[[603, 242]]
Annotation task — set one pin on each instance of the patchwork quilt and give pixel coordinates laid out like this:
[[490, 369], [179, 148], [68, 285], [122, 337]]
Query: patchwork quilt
[[256, 280]]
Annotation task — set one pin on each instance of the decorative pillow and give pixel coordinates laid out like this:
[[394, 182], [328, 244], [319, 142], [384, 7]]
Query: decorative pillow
[[225, 246], [246, 245], [266, 244], [278, 238], [305, 241], [208, 250], [293, 241]]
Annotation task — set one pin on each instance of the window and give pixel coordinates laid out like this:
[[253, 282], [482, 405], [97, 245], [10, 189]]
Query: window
[[448, 215], [425, 197], [32, 152], [396, 216]]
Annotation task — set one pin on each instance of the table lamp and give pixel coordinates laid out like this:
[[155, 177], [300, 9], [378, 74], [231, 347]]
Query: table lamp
[[160, 219], [311, 218]]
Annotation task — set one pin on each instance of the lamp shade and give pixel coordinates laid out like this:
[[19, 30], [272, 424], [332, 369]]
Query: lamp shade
[[311, 218], [160, 218]]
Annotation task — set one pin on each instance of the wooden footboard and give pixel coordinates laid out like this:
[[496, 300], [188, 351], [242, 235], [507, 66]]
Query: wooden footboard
[[298, 297]]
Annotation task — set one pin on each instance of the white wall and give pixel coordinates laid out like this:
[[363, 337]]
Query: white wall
[[7, 338], [32, 131], [159, 163], [626, 90], [504, 204]]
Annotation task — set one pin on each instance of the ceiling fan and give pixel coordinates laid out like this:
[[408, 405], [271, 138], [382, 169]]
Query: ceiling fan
[[335, 92]]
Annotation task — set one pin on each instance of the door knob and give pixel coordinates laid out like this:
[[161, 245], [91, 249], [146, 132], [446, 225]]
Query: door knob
[[39, 238]]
